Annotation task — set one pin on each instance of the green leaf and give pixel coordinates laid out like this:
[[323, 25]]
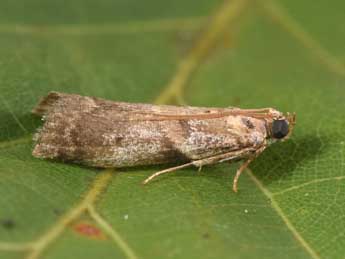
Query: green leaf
[[285, 54]]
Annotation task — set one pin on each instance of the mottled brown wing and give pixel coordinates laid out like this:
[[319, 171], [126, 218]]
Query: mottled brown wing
[[102, 133], [119, 110], [123, 111]]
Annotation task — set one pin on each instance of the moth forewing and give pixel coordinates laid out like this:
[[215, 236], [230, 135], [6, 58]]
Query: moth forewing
[[101, 133]]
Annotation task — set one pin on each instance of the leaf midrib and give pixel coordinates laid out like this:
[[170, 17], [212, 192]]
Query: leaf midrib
[[175, 90]]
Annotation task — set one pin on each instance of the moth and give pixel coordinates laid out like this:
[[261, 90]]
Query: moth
[[106, 134]]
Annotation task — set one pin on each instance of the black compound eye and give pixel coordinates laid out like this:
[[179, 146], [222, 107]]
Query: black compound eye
[[280, 128]]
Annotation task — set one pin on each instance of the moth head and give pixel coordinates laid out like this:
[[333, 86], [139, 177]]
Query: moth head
[[282, 126]]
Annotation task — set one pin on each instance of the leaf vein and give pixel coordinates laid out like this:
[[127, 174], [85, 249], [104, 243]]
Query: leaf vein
[[158, 25], [315, 181], [281, 214], [282, 18], [98, 186], [218, 25], [112, 232]]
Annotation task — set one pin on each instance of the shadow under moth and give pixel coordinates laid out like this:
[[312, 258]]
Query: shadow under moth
[[106, 134]]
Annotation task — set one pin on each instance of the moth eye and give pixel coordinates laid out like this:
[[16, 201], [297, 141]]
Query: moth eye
[[280, 128]]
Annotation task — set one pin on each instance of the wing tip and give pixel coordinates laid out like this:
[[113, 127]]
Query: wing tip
[[46, 103]]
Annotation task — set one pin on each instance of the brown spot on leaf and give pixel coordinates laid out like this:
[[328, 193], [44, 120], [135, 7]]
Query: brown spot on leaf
[[7, 224], [89, 230], [206, 235], [57, 211]]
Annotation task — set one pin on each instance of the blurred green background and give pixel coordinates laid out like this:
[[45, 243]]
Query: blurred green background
[[286, 54]]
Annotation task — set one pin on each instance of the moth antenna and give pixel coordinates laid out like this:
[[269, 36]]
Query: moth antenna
[[292, 121]]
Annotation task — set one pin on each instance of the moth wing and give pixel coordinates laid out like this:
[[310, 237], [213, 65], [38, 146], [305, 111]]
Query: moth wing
[[103, 133], [122, 111]]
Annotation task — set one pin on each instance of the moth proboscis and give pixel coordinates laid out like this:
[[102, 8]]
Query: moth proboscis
[[106, 134]]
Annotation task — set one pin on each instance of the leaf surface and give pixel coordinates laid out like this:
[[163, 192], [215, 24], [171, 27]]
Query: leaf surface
[[283, 54]]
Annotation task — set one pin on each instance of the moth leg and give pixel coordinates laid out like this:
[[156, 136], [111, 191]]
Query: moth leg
[[201, 162], [168, 170], [244, 166], [197, 163], [239, 172]]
